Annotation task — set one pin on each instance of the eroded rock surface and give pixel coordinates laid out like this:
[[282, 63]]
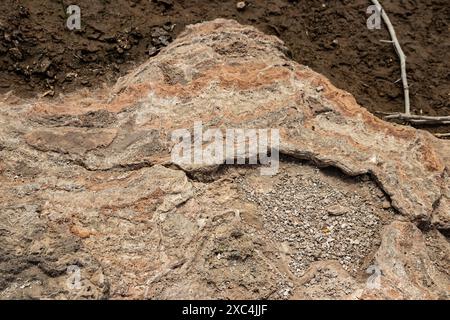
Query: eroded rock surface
[[87, 184]]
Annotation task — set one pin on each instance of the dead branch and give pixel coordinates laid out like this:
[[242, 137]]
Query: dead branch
[[442, 135], [400, 54], [418, 119]]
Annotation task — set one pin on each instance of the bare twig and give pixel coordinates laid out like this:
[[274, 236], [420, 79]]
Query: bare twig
[[418, 119], [442, 135], [400, 54], [424, 120], [415, 117]]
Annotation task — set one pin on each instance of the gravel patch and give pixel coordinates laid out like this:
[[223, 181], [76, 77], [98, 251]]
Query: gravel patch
[[317, 219]]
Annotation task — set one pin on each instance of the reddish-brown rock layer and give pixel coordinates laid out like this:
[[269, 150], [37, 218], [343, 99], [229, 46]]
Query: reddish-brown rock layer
[[94, 170]]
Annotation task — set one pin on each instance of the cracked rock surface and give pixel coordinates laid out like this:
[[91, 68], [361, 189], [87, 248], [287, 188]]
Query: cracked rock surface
[[87, 184]]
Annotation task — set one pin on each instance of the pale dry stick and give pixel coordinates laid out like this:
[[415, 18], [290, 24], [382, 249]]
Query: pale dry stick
[[419, 119], [442, 135], [430, 122], [416, 119], [400, 54], [407, 114]]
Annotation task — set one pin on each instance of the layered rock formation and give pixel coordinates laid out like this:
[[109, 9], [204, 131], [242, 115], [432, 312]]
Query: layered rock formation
[[87, 184]]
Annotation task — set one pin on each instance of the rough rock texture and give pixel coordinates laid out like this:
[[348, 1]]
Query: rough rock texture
[[88, 181]]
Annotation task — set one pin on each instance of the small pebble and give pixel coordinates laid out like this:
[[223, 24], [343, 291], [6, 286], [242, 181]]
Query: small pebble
[[241, 5]]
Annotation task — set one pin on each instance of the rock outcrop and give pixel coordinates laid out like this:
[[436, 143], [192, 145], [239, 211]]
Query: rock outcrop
[[88, 184]]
